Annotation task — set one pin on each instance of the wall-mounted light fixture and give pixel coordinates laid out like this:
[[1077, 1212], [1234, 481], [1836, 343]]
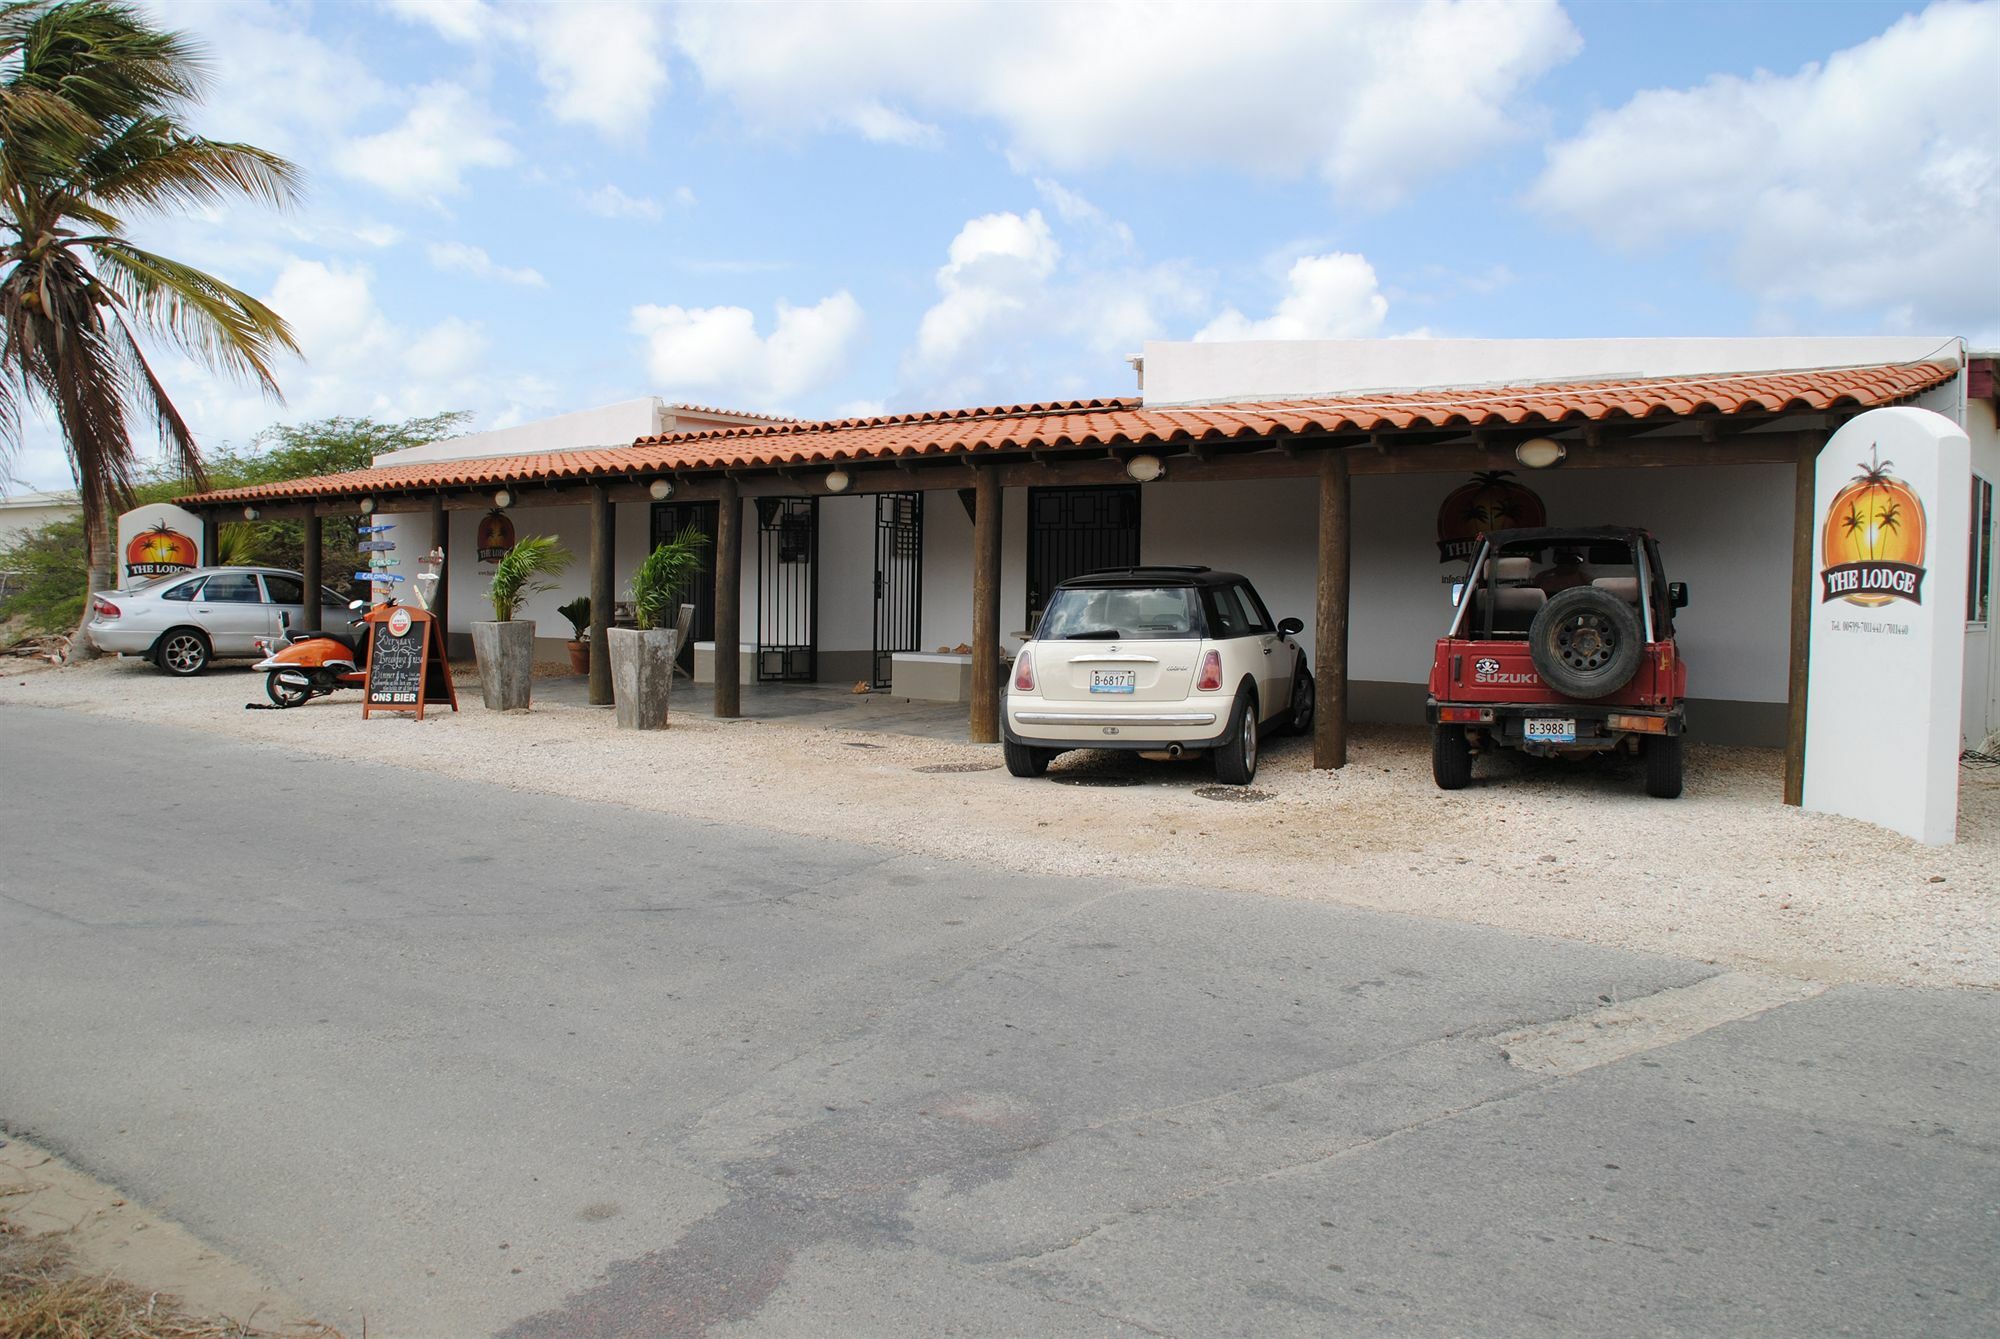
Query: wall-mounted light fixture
[[1538, 453], [661, 489], [249, 513], [838, 481], [365, 506], [503, 499], [1145, 469]]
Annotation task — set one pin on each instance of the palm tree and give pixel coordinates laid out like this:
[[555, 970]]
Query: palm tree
[[92, 101]]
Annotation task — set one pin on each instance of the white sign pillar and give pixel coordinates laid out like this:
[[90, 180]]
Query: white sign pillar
[[1887, 645], [158, 540]]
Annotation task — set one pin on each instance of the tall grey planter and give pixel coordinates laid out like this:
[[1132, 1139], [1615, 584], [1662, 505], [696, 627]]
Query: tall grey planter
[[506, 656], [642, 675]]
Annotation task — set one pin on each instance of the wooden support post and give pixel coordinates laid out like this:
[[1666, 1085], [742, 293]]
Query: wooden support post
[[1330, 618], [311, 567], [603, 592], [728, 600], [985, 723], [1802, 586], [211, 539], [441, 541]]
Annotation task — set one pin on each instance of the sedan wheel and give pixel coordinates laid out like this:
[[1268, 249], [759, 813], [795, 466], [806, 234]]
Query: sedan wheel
[[183, 652]]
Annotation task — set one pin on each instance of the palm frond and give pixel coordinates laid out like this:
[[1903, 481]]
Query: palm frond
[[660, 579], [514, 575], [151, 163], [206, 318]]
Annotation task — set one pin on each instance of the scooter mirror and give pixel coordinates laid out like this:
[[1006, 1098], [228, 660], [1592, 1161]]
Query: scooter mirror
[[357, 604]]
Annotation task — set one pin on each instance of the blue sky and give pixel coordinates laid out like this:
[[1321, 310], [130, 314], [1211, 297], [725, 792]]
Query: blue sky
[[519, 210]]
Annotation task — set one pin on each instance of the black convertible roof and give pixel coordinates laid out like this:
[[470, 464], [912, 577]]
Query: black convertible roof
[[1151, 576], [1556, 534]]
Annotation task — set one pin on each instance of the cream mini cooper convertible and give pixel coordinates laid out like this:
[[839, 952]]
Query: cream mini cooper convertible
[[1159, 660]]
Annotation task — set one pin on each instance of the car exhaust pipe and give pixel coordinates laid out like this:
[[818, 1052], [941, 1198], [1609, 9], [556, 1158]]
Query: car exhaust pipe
[[1174, 750]]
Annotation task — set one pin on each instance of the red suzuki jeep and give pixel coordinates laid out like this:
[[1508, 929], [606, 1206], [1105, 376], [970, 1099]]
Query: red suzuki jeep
[[1561, 642]]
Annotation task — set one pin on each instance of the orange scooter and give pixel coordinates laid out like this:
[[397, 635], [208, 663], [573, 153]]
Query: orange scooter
[[300, 667]]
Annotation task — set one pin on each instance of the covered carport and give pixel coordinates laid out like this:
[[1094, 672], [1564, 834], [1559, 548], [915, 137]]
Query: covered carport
[[1225, 475]]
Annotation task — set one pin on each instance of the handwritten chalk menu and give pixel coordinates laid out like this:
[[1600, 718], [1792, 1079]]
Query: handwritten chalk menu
[[407, 667]]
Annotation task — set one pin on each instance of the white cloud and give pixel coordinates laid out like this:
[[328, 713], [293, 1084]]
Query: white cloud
[[717, 352], [1014, 304], [1377, 97], [600, 62], [995, 275], [474, 261], [1335, 296], [609, 202], [445, 134], [1868, 182]]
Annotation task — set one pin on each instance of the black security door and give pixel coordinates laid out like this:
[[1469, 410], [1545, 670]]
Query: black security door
[[787, 589], [899, 578], [669, 518], [1072, 531]]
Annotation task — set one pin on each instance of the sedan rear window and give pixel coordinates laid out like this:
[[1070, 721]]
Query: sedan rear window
[[1134, 613]]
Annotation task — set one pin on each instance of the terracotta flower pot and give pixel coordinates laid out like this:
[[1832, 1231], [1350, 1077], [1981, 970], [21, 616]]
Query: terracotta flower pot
[[579, 657]]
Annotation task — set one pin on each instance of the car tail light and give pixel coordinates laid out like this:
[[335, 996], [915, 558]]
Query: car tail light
[[1465, 715], [1211, 673], [1024, 671], [1647, 725], [103, 608]]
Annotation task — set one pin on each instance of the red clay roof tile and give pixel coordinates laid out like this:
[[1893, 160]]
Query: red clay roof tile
[[1129, 422]]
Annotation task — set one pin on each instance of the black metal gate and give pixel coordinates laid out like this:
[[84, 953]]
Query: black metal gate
[[1072, 531], [899, 578], [787, 589], [669, 519]]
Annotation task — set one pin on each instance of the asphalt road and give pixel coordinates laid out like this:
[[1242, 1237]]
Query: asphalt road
[[512, 1064]]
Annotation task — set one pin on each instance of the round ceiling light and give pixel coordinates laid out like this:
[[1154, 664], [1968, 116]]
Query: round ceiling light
[[1538, 453], [838, 482], [1145, 469], [661, 489], [503, 499]]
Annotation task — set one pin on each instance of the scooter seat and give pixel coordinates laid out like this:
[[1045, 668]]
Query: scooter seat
[[345, 639]]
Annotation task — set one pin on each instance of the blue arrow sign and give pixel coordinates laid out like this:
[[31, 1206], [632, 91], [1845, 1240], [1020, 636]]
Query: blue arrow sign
[[376, 576], [372, 529], [378, 546]]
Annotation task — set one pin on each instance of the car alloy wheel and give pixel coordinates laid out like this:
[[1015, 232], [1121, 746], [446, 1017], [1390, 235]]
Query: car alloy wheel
[[184, 653]]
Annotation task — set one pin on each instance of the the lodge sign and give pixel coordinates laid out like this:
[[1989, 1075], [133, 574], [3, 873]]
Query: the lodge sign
[[496, 536], [1489, 500], [1872, 540]]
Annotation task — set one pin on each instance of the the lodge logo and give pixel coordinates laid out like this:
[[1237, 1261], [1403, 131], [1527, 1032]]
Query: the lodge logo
[[1873, 540], [496, 536], [1489, 500], [160, 552]]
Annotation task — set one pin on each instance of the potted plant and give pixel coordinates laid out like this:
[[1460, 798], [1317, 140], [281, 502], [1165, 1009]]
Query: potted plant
[[505, 647], [642, 658], [577, 611]]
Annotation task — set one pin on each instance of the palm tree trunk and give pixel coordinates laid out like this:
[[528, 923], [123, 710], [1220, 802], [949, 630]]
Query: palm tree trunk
[[101, 541]]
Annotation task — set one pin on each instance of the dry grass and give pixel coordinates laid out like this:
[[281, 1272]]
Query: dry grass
[[43, 1297]]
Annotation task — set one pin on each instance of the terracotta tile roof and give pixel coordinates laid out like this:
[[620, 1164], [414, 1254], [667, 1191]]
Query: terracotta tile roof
[[1059, 425], [731, 413]]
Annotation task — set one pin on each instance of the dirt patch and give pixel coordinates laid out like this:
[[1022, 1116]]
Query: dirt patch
[[78, 1258], [1726, 874]]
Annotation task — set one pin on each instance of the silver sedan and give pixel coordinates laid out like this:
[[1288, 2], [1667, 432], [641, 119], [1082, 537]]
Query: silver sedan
[[184, 621]]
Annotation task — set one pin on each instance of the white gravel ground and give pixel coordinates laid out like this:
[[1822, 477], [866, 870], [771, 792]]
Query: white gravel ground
[[1726, 874]]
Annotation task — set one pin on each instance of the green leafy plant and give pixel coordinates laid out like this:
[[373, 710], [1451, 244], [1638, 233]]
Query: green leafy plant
[[667, 571], [514, 577], [577, 611]]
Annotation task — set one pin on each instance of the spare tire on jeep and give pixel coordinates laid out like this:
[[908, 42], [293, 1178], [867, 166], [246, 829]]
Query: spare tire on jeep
[[1586, 642]]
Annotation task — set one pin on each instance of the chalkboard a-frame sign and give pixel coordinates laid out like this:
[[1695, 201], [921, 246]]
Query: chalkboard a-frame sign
[[407, 667]]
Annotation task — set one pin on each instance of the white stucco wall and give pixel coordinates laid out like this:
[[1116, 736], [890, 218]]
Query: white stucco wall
[[1981, 718], [1185, 372], [22, 512]]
